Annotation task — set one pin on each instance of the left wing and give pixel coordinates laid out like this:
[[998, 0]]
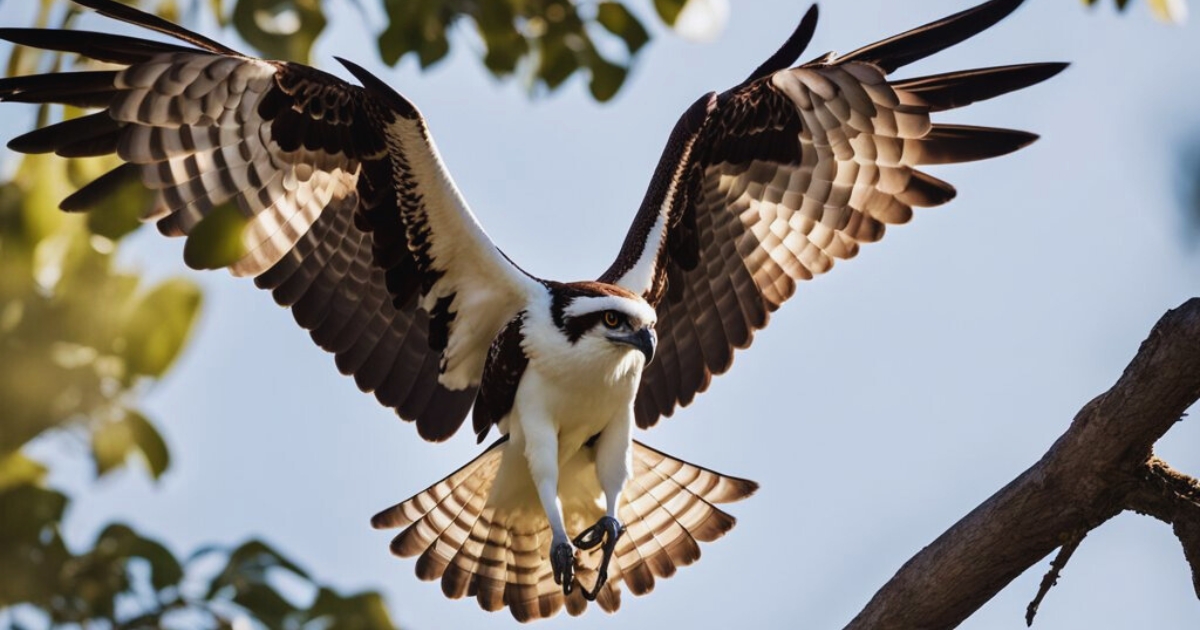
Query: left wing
[[773, 180], [348, 214]]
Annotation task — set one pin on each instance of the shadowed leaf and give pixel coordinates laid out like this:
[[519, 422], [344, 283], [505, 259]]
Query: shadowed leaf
[[669, 10], [283, 29], [619, 21], [159, 325]]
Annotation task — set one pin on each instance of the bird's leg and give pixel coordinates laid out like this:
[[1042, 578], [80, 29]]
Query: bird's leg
[[541, 451], [613, 450]]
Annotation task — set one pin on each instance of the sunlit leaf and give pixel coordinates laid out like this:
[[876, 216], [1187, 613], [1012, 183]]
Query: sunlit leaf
[[112, 442], [218, 10], [669, 10], [283, 29], [149, 443], [159, 325], [17, 469], [361, 611], [119, 212], [619, 21], [1174, 11], [43, 180], [216, 241]]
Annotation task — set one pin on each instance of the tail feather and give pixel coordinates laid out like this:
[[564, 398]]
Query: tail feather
[[500, 555], [491, 576]]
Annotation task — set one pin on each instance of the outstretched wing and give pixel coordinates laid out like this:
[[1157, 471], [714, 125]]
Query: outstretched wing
[[349, 215], [770, 182]]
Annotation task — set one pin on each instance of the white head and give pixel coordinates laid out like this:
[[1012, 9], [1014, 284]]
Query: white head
[[605, 319]]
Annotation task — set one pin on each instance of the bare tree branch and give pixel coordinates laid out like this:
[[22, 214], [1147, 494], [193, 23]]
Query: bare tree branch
[[1051, 578], [1101, 466]]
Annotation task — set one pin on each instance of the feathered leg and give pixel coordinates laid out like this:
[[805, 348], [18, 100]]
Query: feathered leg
[[613, 463]]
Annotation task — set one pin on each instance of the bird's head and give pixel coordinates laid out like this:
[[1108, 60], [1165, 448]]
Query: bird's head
[[606, 316]]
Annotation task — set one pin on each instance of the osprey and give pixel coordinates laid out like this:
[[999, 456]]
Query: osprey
[[351, 219]]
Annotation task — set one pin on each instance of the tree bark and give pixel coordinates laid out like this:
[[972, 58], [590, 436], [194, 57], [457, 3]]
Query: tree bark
[[1104, 464]]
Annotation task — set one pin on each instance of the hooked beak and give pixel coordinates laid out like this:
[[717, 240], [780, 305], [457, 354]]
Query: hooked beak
[[643, 340]]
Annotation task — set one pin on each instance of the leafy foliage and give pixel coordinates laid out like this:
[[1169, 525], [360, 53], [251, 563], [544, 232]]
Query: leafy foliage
[[1165, 10], [95, 586], [79, 340]]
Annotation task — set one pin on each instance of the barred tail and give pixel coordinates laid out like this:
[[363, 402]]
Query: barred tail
[[501, 556]]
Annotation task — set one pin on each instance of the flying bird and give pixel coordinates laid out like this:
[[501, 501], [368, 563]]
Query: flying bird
[[348, 215]]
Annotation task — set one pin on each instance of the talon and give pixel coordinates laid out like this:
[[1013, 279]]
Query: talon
[[562, 560], [606, 531]]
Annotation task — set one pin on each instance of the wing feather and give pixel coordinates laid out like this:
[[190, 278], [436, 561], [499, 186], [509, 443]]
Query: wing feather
[[350, 217], [772, 182]]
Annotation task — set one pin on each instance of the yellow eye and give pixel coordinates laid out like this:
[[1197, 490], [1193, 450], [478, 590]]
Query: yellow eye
[[611, 319]]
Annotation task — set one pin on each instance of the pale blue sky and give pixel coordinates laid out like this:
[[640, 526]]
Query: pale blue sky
[[885, 401]]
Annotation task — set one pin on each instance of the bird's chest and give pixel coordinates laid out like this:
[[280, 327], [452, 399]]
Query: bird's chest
[[577, 405]]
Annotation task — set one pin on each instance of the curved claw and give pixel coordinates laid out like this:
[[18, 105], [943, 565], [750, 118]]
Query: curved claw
[[606, 528], [562, 560], [608, 531]]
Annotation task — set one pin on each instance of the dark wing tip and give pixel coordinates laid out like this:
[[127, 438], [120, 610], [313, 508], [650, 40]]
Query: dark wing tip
[[791, 49], [375, 85], [957, 89], [126, 13], [954, 144], [918, 43]]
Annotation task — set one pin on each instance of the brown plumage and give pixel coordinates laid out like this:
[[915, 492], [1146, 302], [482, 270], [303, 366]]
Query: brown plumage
[[499, 556], [774, 180], [352, 220]]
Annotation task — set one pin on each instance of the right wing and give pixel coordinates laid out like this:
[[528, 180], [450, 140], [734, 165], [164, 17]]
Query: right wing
[[350, 216], [770, 182]]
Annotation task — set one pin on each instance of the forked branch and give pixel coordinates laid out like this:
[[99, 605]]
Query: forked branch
[[1103, 465]]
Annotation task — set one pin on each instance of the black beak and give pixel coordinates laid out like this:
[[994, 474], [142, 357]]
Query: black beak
[[644, 340]]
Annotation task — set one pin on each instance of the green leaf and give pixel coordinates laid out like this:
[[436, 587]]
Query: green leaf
[[505, 44], [26, 510], [120, 212], [284, 29], [416, 26], [112, 441], [158, 327], [618, 20], [250, 563], [121, 543], [149, 443], [607, 78], [669, 10], [264, 603], [361, 611], [216, 241], [17, 469], [43, 179], [557, 63], [218, 10]]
